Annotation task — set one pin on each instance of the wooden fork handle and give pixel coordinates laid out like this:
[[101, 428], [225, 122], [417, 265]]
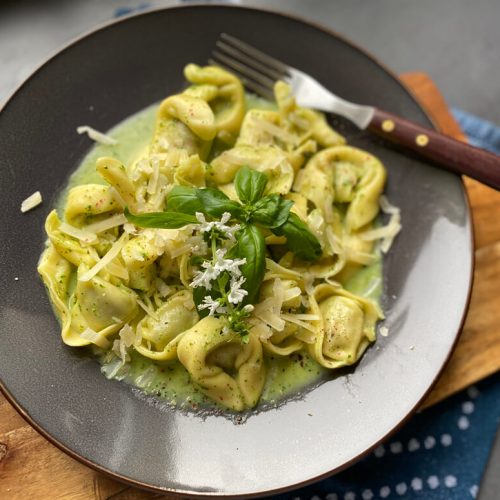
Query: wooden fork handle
[[454, 155]]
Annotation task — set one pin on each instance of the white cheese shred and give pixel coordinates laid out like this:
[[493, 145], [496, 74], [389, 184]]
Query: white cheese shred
[[294, 318], [96, 136], [104, 225], [109, 257], [84, 235], [95, 338], [31, 201], [384, 331], [147, 309]]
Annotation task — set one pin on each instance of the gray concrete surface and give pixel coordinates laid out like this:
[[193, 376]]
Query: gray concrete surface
[[457, 42]]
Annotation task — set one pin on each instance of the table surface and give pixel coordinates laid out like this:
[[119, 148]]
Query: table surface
[[454, 41]]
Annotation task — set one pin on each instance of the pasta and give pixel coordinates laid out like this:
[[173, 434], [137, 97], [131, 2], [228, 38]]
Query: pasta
[[225, 247]]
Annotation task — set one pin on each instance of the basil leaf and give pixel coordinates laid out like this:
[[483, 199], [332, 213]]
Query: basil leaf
[[250, 185], [184, 199], [162, 220], [252, 247], [299, 239], [215, 203], [271, 211]]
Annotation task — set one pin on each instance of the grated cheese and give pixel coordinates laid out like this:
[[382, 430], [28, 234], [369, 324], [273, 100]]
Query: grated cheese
[[294, 318], [162, 287], [102, 263], [386, 206], [80, 234], [384, 331], [298, 120], [117, 196], [104, 225], [95, 337], [269, 310], [153, 180], [263, 331], [31, 201], [274, 130], [334, 241], [291, 293], [96, 136], [147, 309], [394, 223], [361, 257], [276, 270], [306, 336], [118, 271]]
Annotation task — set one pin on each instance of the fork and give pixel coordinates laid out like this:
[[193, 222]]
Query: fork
[[259, 71]]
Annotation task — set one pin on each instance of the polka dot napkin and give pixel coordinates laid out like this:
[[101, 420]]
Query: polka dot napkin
[[440, 454]]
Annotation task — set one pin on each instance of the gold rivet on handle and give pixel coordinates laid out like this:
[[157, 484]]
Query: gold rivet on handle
[[422, 140], [388, 125]]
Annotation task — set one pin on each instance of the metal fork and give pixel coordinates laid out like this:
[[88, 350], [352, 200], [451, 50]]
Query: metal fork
[[259, 71]]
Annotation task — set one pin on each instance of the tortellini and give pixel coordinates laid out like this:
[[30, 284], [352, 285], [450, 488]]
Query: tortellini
[[346, 326], [226, 369], [127, 292]]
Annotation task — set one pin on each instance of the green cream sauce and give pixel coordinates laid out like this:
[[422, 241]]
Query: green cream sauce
[[170, 380]]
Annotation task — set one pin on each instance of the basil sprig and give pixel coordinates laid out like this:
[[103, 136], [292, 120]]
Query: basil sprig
[[254, 211], [161, 220]]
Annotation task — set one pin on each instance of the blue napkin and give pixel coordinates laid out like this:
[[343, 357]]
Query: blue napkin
[[481, 133]]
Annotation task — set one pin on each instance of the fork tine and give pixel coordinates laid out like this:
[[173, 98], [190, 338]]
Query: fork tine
[[249, 84], [241, 56], [256, 54], [243, 69]]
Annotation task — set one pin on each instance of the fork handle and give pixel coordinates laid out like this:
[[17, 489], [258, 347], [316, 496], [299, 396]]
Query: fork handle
[[454, 155]]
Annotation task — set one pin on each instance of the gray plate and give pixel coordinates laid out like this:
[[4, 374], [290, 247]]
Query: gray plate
[[114, 72]]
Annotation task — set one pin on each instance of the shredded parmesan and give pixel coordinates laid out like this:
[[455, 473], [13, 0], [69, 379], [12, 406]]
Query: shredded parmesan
[[394, 225], [291, 293], [84, 235], [118, 270], [31, 201], [298, 120], [263, 331], [276, 270], [153, 180], [294, 318], [361, 257], [95, 337], [147, 309], [104, 225], [306, 336], [269, 310], [308, 283], [102, 263], [334, 241], [96, 136], [117, 196], [384, 331], [274, 130], [162, 287], [386, 206]]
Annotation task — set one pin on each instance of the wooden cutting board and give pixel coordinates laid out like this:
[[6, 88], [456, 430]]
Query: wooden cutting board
[[31, 467]]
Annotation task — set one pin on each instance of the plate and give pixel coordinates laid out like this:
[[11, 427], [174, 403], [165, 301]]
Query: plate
[[118, 70]]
